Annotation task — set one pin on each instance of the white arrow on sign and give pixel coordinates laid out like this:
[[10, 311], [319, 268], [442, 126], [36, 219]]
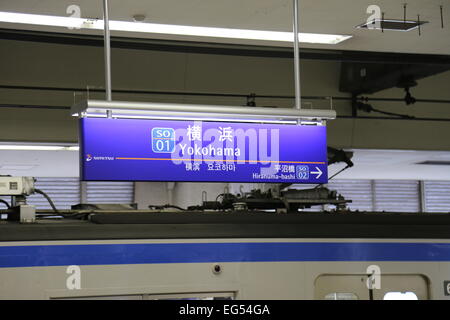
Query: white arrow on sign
[[318, 172]]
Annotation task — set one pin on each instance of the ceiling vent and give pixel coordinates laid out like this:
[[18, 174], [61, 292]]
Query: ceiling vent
[[389, 24], [435, 163]]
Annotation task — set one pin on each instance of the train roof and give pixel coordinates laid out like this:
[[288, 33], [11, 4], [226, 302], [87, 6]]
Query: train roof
[[144, 224]]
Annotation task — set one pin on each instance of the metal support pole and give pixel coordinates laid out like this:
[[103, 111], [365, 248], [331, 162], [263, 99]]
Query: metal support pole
[[83, 192], [423, 204], [296, 58], [107, 54]]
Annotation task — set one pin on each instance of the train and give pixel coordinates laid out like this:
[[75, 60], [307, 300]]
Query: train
[[151, 255]]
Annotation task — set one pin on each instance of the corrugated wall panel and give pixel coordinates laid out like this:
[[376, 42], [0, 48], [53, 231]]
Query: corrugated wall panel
[[397, 195], [359, 191], [110, 192], [437, 196]]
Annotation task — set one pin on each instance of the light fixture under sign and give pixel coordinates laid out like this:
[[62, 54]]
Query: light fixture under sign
[[153, 110]]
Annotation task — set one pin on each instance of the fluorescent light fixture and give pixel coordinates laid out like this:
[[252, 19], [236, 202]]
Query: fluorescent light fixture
[[70, 22], [17, 167], [37, 147], [126, 116], [153, 110], [42, 20]]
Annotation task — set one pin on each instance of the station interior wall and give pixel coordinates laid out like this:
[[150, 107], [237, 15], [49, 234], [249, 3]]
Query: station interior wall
[[33, 64]]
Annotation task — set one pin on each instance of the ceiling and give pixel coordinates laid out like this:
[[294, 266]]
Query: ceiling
[[368, 164], [324, 16]]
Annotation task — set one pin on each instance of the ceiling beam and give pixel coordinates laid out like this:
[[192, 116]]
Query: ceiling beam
[[224, 49]]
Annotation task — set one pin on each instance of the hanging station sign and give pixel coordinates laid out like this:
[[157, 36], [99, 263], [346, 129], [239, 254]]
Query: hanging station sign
[[171, 150]]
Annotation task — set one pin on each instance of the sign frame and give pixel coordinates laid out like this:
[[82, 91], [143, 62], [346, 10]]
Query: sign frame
[[306, 171]]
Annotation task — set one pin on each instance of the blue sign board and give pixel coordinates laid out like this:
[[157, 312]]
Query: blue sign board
[[161, 150]]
